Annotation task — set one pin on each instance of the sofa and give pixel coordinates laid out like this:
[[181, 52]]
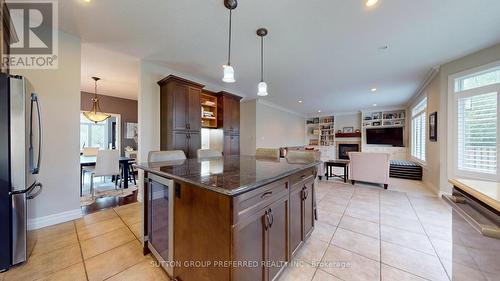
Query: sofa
[[369, 167]]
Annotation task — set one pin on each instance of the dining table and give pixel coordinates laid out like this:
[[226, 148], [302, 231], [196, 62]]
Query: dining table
[[86, 161]]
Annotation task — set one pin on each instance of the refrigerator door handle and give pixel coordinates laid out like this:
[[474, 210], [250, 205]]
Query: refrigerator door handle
[[27, 190], [35, 169], [32, 194]]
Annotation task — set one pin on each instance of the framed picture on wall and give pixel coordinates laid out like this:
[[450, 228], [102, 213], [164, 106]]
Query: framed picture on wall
[[348, 130], [433, 126], [131, 130]]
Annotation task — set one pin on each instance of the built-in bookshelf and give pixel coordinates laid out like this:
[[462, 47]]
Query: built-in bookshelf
[[208, 111], [321, 131], [393, 118]]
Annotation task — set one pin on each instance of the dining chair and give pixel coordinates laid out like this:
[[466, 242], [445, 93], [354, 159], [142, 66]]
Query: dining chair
[[273, 153], [208, 153], [90, 151], [107, 164], [166, 155]]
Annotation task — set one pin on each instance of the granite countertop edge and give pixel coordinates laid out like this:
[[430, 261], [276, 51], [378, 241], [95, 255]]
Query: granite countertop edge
[[233, 192]]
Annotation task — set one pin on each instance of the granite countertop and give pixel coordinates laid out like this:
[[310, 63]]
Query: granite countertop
[[231, 175], [487, 192]]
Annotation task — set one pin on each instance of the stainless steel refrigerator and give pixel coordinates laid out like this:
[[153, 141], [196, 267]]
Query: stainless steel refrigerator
[[20, 156]]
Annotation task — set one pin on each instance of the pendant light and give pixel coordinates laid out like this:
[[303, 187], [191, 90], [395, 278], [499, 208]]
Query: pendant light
[[262, 88], [95, 114], [228, 69]]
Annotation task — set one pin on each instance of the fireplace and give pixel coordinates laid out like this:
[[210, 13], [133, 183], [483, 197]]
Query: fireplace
[[345, 148]]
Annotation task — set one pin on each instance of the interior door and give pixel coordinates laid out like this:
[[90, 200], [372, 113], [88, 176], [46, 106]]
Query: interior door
[[278, 236], [194, 109], [180, 106], [249, 246]]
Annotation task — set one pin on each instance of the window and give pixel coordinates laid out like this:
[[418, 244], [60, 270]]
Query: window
[[476, 123], [93, 135], [418, 130]]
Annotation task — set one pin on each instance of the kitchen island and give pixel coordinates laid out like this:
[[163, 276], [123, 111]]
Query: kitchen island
[[233, 218]]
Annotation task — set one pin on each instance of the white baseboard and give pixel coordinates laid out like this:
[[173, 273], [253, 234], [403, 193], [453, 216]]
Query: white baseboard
[[49, 220]]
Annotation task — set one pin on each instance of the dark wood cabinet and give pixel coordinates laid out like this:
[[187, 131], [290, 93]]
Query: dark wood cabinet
[[180, 115], [301, 212], [229, 105], [270, 246], [249, 245], [231, 144]]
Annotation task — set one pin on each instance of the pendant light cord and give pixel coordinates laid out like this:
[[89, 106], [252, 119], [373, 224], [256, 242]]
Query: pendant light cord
[[230, 24], [262, 59]]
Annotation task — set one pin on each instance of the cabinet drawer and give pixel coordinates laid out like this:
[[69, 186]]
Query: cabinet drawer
[[302, 176], [248, 203]]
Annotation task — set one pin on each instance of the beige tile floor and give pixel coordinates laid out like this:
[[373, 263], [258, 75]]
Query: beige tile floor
[[99, 246], [366, 233], [363, 233]]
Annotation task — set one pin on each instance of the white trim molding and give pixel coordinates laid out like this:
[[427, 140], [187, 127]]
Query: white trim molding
[[36, 223]]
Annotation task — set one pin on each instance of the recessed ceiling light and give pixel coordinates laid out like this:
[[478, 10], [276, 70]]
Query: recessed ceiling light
[[319, 111], [370, 3], [88, 1], [373, 89], [374, 104], [300, 101]]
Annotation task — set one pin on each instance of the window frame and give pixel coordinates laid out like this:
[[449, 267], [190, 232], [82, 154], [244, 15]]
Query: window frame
[[422, 112], [455, 95]]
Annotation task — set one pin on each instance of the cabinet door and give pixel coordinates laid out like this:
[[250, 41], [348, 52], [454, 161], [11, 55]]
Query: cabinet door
[[249, 246], [180, 106], [277, 243], [180, 142], [227, 109], [194, 109], [308, 208], [235, 145], [235, 115], [296, 227], [227, 144], [194, 144]]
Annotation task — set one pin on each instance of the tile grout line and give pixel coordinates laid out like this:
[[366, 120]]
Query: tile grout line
[[427, 235], [81, 252], [337, 227]]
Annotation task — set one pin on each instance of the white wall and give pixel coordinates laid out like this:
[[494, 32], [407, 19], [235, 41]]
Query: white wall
[[348, 120], [439, 161], [59, 92], [277, 127]]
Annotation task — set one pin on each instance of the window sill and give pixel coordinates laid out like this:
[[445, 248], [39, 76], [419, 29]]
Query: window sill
[[420, 162]]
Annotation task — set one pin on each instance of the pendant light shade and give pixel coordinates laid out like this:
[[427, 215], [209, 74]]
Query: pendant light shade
[[228, 69], [262, 87], [95, 114], [228, 74]]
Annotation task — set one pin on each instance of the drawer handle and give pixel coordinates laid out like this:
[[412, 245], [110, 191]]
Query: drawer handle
[[266, 195]]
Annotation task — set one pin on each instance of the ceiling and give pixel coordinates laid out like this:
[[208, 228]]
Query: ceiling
[[324, 52], [119, 73]]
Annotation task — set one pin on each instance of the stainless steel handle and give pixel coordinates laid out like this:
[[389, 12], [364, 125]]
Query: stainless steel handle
[[35, 169], [31, 194], [266, 221], [455, 201]]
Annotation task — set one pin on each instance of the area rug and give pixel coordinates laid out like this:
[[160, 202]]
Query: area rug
[[86, 199]]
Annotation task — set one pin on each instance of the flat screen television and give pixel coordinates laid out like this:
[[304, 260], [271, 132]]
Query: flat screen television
[[387, 136]]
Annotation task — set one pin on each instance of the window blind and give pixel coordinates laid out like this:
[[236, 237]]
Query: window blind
[[418, 130], [477, 133]]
